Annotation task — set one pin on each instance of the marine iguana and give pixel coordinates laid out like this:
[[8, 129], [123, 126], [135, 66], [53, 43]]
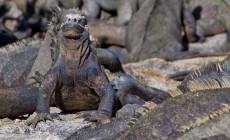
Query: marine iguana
[[77, 78], [14, 104], [203, 96]]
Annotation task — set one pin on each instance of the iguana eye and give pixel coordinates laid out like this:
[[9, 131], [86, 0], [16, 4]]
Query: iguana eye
[[75, 20], [82, 22]]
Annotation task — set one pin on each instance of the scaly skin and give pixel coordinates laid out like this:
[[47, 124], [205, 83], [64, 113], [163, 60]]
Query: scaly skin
[[47, 57], [18, 101], [77, 78], [125, 83], [169, 120], [16, 62], [46, 60], [204, 99]]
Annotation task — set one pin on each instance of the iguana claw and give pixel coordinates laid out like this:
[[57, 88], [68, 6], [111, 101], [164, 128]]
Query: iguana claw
[[39, 117]]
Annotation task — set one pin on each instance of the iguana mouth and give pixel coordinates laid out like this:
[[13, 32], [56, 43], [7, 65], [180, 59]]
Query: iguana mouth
[[72, 31], [72, 35]]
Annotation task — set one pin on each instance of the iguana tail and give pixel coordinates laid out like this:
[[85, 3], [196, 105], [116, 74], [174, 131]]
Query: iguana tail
[[17, 101]]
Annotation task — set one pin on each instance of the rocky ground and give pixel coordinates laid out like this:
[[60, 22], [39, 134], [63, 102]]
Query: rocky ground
[[153, 72]]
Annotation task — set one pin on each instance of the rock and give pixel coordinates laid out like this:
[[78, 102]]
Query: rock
[[124, 8], [108, 34], [25, 4], [153, 72], [90, 8], [140, 2], [11, 16], [70, 3], [212, 17], [43, 7], [211, 45], [59, 129], [105, 16], [155, 30], [14, 11], [125, 11]]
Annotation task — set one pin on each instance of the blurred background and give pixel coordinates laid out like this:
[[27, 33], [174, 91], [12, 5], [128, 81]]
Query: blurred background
[[133, 29]]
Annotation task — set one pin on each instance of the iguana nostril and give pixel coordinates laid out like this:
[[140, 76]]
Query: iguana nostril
[[68, 19], [75, 20]]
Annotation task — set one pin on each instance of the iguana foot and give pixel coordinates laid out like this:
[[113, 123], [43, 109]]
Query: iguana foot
[[39, 117], [92, 116]]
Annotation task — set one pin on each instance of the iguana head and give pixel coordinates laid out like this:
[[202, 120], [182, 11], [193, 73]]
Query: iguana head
[[70, 26]]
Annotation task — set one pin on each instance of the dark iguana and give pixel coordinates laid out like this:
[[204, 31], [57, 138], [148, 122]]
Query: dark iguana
[[77, 78], [203, 96], [16, 63], [13, 101]]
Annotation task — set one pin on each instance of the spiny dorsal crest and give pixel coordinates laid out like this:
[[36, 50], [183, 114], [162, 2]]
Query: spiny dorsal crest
[[206, 70], [148, 106], [17, 44], [214, 76]]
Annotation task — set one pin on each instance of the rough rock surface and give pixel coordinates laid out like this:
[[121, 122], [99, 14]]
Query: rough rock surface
[[153, 72], [211, 45], [158, 33], [59, 129]]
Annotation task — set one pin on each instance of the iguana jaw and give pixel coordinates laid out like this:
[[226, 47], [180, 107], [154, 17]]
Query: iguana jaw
[[73, 31]]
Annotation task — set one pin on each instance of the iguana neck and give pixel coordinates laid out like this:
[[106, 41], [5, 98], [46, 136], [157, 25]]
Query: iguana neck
[[74, 52]]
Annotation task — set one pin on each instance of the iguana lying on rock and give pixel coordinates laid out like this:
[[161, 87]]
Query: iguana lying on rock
[[16, 61], [78, 79], [203, 96]]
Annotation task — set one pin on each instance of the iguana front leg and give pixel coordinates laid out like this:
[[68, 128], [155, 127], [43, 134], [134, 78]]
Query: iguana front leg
[[100, 83], [45, 91]]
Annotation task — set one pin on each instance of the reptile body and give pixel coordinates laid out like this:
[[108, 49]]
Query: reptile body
[[198, 100]]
